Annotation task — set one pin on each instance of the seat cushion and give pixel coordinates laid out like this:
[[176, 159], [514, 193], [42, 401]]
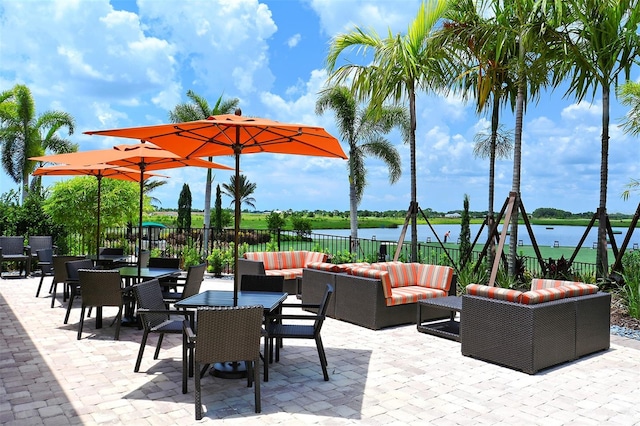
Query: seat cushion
[[411, 294], [491, 292], [270, 259]]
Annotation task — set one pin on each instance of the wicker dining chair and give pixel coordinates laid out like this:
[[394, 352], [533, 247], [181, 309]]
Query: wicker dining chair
[[12, 249], [167, 262], [278, 329], [60, 275], [223, 334], [156, 318], [72, 283], [100, 288], [195, 276]]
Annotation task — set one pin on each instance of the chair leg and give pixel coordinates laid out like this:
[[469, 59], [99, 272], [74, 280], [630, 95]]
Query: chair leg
[[266, 359], [256, 379], [81, 323], [323, 358], [143, 343], [157, 352], [54, 287], [118, 322], [197, 395], [72, 296], [40, 285], [185, 362]]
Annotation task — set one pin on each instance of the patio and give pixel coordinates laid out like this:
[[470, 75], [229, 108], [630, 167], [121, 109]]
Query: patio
[[390, 376]]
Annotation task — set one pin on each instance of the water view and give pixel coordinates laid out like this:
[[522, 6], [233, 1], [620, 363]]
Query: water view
[[567, 236]]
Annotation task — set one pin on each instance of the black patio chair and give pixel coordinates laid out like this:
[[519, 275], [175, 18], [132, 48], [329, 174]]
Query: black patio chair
[[100, 288], [195, 276], [45, 262], [278, 329], [156, 318], [72, 284], [12, 249], [223, 334]]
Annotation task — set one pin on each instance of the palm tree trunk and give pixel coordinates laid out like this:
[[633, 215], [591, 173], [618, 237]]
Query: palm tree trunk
[[353, 219], [414, 202], [517, 160], [602, 262], [492, 173]]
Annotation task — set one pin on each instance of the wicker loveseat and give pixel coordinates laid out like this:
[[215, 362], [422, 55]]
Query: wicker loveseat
[[554, 322], [288, 264], [378, 295]]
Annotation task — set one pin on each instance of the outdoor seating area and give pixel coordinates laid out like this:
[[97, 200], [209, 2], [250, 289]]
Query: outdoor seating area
[[418, 378], [378, 295]]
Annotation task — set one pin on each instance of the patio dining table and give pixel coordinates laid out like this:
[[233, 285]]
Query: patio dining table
[[219, 298]]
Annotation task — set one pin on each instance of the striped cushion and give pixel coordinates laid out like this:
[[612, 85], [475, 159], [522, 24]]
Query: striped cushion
[[580, 289], [315, 256], [367, 272], [411, 294], [435, 276], [403, 274], [494, 292], [270, 259], [344, 267], [539, 283], [292, 259], [324, 266], [288, 274], [533, 297]]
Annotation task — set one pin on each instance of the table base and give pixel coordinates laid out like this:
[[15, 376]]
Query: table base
[[229, 370]]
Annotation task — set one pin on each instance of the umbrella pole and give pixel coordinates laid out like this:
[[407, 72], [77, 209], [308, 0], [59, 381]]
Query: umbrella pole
[[236, 278], [98, 232], [142, 167]]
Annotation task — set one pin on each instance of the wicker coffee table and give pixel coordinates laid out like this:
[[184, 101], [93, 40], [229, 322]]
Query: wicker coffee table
[[449, 329]]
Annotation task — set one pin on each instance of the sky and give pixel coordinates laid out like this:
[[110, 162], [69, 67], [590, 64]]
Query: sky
[[120, 63]]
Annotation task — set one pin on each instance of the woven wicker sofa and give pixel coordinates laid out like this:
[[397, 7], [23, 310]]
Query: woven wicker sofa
[[554, 322], [378, 295], [288, 264]]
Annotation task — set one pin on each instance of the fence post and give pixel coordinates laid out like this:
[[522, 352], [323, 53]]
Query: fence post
[[278, 238]]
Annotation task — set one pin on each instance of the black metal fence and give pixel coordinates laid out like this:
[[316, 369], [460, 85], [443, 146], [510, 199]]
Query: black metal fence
[[173, 242]]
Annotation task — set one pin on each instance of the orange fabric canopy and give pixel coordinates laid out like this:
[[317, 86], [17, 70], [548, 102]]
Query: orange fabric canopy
[[98, 170], [227, 134]]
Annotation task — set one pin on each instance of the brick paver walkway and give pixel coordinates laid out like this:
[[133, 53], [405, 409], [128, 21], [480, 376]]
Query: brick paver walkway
[[393, 376]]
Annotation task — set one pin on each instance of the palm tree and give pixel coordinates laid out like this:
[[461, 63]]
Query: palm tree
[[495, 145], [477, 43], [601, 42], [199, 109], [362, 130], [24, 135], [401, 66], [245, 190]]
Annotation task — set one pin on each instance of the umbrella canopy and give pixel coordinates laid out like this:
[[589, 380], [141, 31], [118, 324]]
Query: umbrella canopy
[[141, 157], [234, 135], [99, 171]]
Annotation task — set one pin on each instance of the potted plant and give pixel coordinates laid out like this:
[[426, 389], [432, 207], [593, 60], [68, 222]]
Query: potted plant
[[216, 260]]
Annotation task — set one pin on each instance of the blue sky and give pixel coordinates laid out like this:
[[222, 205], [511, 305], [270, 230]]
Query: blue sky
[[123, 63]]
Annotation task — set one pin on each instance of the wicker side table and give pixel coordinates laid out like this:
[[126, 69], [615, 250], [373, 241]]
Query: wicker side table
[[449, 329]]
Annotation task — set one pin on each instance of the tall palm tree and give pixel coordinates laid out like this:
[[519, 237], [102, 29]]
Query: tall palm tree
[[198, 109], [245, 190], [24, 135], [362, 130], [401, 66], [601, 42], [495, 145], [477, 43]]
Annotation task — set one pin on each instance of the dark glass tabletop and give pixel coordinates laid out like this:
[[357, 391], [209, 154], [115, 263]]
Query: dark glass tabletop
[[212, 298], [147, 273]]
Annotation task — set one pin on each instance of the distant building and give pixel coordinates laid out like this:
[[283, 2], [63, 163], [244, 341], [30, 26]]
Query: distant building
[[453, 215]]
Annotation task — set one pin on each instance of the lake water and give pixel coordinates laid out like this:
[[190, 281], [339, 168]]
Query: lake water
[[568, 236]]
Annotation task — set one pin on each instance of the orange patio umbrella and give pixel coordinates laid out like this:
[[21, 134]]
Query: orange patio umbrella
[[142, 157], [234, 135], [99, 171]]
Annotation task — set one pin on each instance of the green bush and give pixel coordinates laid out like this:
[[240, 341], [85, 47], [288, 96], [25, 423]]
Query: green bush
[[630, 292]]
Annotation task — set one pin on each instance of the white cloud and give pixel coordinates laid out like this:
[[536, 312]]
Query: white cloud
[[294, 40]]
